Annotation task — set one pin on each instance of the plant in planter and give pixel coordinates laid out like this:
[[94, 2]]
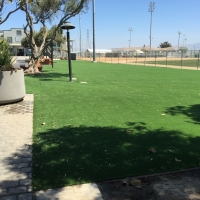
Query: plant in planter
[[12, 87], [5, 58]]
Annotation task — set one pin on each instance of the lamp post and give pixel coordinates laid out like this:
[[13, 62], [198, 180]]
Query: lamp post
[[51, 51], [151, 9], [67, 26]]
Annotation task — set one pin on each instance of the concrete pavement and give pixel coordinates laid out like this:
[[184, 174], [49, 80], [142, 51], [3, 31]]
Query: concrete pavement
[[16, 122]]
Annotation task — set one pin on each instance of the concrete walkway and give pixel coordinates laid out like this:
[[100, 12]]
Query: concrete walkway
[[16, 129], [16, 122]]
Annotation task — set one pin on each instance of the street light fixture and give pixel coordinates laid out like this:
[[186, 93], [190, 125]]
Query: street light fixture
[[67, 26], [151, 9]]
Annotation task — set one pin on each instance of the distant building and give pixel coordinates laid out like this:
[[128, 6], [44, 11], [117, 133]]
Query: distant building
[[14, 37], [100, 52]]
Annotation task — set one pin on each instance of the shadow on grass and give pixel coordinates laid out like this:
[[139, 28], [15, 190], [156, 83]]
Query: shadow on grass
[[192, 111], [49, 76], [75, 155]]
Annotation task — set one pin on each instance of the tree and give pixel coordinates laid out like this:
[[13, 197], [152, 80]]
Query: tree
[[43, 12], [165, 45], [38, 37]]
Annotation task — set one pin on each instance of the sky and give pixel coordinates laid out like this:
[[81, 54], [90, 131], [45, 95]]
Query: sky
[[114, 18]]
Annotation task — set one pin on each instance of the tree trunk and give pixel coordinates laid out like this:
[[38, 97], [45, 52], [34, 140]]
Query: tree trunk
[[33, 67]]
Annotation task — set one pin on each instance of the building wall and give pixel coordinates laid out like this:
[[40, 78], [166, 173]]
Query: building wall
[[14, 37]]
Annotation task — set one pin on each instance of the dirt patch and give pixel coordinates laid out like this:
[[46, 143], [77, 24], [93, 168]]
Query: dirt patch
[[172, 186]]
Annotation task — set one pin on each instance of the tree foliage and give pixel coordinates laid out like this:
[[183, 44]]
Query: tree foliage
[[165, 45], [43, 12], [3, 5], [38, 37]]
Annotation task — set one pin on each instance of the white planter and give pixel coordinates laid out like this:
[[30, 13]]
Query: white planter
[[12, 87]]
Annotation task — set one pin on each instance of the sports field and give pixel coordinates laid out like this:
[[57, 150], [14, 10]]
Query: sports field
[[172, 62]]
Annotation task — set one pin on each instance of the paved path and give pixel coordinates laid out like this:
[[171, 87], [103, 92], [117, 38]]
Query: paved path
[[16, 125]]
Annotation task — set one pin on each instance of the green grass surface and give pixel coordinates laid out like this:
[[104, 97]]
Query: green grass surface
[[102, 129], [184, 62]]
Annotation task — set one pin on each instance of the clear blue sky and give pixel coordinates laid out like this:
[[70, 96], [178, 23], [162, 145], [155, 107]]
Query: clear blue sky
[[114, 17]]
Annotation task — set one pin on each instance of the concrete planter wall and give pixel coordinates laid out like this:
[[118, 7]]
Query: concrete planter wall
[[12, 87]]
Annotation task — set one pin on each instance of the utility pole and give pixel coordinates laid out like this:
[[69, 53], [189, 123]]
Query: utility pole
[[88, 40], [93, 19], [80, 33], [130, 29], [151, 9], [179, 33]]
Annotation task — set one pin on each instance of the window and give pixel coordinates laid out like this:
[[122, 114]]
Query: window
[[19, 32], [9, 39]]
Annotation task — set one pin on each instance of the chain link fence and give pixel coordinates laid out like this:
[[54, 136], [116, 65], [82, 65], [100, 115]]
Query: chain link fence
[[176, 59]]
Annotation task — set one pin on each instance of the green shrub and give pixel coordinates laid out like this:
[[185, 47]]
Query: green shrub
[[5, 55]]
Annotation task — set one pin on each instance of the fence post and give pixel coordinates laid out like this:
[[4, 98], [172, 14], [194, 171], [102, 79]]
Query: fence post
[[155, 58], [136, 58], [118, 57], [181, 58], [145, 58], [166, 58], [126, 57], [198, 61]]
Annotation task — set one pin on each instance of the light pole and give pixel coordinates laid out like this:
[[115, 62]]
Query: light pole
[[93, 19], [67, 26], [151, 9], [51, 51], [184, 39], [130, 29], [179, 33]]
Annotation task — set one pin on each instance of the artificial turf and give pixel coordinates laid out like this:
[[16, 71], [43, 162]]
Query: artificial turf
[[102, 129]]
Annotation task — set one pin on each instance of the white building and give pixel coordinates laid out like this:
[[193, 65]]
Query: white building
[[14, 37], [100, 52]]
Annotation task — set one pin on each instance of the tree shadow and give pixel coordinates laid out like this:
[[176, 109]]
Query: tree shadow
[[192, 111], [49, 76], [75, 155], [16, 173]]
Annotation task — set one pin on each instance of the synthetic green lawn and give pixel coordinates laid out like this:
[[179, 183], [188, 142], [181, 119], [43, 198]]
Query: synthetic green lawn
[[102, 129], [183, 62]]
